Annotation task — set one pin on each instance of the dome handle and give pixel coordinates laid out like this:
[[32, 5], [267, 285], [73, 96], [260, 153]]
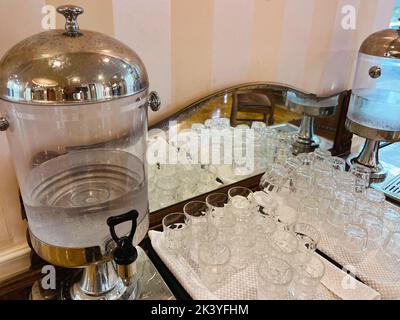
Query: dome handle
[[71, 14]]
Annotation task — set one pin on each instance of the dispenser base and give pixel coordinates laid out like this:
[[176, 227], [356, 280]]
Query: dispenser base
[[378, 172], [305, 146], [150, 286]]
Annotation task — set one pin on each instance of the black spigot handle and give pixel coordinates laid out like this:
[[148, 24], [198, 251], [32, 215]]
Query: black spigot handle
[[125, 253]]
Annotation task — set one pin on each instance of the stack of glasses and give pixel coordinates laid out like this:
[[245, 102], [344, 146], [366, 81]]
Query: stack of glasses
[[182, 174], [228, 233], [340, 204]]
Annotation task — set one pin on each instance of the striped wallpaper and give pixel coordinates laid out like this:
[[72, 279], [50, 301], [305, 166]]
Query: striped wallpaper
[[191, 47]]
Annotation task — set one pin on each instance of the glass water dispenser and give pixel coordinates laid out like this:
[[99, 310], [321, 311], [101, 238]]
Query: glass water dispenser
[[374, 111], [74, 107]]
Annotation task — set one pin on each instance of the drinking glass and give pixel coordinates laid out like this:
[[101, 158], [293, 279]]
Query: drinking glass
[[273, 278], [241, 165], [189, 179], [306, 159], [266, 203], [196, 211], [166, 190], [259, 126], [243, 210], [321, 163], [324, 170], [198, 128], [200, 233], [352, 244], [284, 245], [362, 175], [321, 155], [301, 186], [324, 190], [283, 147], [275, 178], [308, 271], [362, 208], [376, 199], [242, 247], [175, 232], [286, 216], [214, 261], [374, 227], [242, 127], [265, 226], [224, 123], [391, 219], [240, 191], [389, 255], [219, 215], [270, 138], [345, 182], [337, 164], [307, 235], [340, 212], [309, 211], [212, 123], [293, 163]]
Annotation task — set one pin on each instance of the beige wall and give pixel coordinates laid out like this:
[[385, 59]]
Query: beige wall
[[16, 24], [192, 47]]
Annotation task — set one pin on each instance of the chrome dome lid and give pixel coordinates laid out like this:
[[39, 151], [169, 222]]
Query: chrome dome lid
[[385, 43], [70, 66]]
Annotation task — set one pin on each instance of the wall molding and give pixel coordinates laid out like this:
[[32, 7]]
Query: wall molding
[[14, 259]]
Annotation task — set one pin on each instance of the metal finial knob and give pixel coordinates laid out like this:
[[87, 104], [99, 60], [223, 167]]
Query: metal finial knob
[[71, 14]]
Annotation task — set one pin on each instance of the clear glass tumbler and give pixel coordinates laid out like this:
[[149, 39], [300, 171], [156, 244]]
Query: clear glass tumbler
[[273, 278], [391, 219], [275, 179], [242, 248], [376, 200], [337, 164], [196, 211], [389, 255], [214, 266], [307, 235], [362, 175], [340, 212], [220, 216], [374, 227], [284, 245], [301, 187], [308, 271], [309, 211], [352, 244], [345, 182], [175, 232]]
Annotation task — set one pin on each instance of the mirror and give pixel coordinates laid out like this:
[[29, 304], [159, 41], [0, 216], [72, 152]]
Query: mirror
[[234, 134]]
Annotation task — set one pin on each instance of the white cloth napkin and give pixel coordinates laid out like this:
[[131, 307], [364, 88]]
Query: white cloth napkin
[[345, 286], [243, 285], [370, 271]]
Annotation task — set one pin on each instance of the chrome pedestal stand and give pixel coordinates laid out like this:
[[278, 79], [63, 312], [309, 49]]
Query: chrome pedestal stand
[[369, 155], [101, 283], [310, 107]]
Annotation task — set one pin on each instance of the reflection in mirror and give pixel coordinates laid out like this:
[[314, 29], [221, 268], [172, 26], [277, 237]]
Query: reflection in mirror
[[231, 135]]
